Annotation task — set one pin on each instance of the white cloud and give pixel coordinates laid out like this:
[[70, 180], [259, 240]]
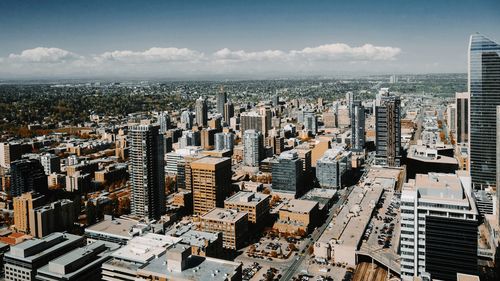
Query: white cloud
[[154, 54], [344, 52], [241, 55], [44, 55], [179, 62]]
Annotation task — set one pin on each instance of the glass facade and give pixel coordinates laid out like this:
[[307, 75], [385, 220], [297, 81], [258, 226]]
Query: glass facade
[[484, 88]]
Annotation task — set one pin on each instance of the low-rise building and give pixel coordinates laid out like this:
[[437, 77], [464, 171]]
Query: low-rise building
[[297, 217], [24, 259], [256, 204], [232, 224]]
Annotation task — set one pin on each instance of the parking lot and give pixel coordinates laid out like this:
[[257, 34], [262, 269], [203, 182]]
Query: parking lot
[[383, 229]]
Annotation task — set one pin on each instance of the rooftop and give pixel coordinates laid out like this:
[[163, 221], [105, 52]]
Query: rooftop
[[197, 268], [299, 206], [247, 198], [220, 214], [144, 248]]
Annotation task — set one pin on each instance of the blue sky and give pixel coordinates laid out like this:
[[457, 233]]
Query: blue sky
[[255, 38]]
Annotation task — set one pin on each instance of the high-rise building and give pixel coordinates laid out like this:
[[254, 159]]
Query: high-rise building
[[56, 216], [23, 205], [228, 111], [484, 89], [439, 225], [232, 223], [164, 121], [201, 112], [10, 151], [251, 121], [211, 179], [451, 114], [276, 100], [147, 174], [498, 163], [27, 175], [462, 118], [224, 141], [388, 130], [267, 117], [332, 167], [51, 163], [287, 173], [311, 122], [187, 120], [357, 126], [221, 101], [253, 148], [349, 98]]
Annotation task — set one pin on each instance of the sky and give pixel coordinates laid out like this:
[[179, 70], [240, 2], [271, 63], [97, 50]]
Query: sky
[[243, 39]]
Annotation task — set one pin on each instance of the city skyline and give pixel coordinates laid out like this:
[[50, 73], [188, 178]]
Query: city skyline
[[176, 40]]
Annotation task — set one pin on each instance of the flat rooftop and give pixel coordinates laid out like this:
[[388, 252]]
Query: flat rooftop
[[438, 185], [144, 248], [247, 198], [197, 268], [224, 215], [198, 238], [299, 206], [116, 227], [78, 260], [210, 161], [34, 249]]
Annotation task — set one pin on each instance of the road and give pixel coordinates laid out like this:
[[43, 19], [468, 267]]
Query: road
[[290, 272]]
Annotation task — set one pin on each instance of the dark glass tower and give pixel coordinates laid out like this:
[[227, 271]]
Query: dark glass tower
[[484, 88]]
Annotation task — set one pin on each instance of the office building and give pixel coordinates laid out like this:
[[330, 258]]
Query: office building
[[388, 130], [211, 180], [330, 119], [255, 204], [311, 122], [164, 122], [208, 138], [23, 260], [56, 216], [120, 230], [80, 264], [23, 205], [357, 126], [253, 148], [12, 151], [287, 173], [305, 155], [186, 120], [201, 109], [252, 121], [349, 98], [181, 264], [233, 225], [451, 114], [332, 168], [228, 112], [203, 243], [147, 173], [435, 208], [51, 163], [297, 217], [221, 101], [484, 89], [27, 175], [139, 251], [462, 117], [224, 141]]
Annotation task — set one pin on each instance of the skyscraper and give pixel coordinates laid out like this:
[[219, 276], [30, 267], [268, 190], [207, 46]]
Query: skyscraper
[[211, 179], [228, 111], [357, 126], [388, 131], [484, 89], [462, 118], [221, 101], [147, 174], [439, 221], [164, 121], [187, 120], [287, 173], [251, 121], [310, 122], [201, 112], [253, 145], [349, 98], [27, 175]]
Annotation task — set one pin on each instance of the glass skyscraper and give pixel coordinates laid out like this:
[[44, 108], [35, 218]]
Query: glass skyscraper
[[484, 88]]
